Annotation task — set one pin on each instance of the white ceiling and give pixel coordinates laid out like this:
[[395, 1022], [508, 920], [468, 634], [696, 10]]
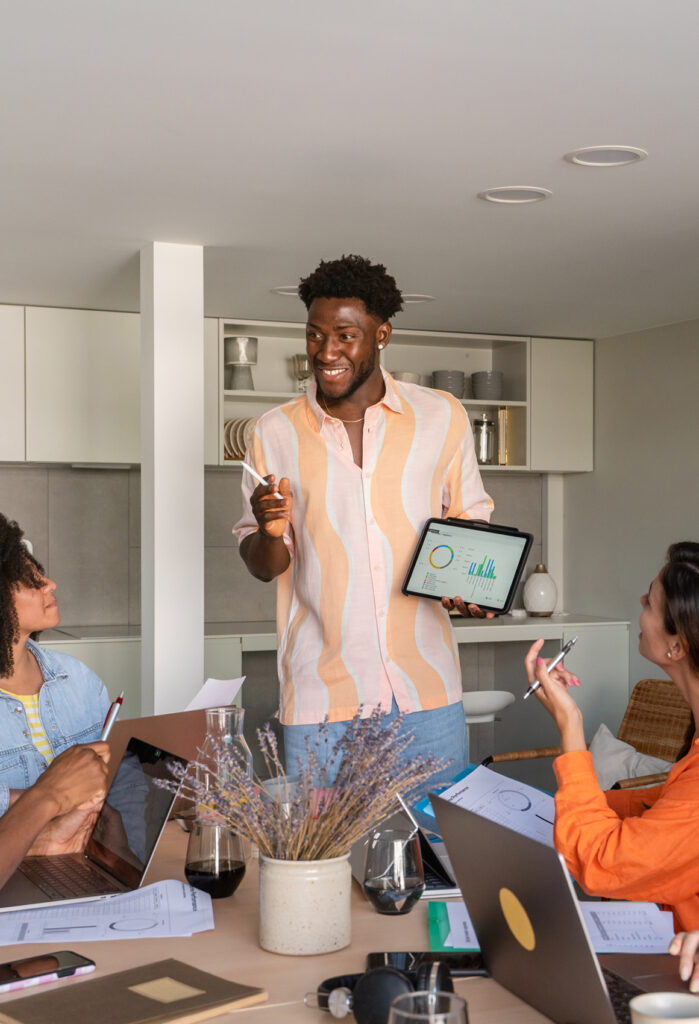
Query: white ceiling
[[278, 133]]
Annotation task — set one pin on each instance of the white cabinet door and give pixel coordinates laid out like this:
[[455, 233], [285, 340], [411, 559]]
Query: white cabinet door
[[12, 383], [83, 386], [561, 405]]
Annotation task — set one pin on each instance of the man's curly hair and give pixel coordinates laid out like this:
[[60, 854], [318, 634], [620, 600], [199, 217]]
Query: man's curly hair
[[353, 277], [17, 567]]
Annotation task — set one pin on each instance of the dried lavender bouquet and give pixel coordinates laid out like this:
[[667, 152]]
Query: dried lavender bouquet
[[314, 820]]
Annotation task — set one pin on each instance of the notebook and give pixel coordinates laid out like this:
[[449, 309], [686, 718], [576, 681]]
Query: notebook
[[165, 991], [532, 935], [120, 847]]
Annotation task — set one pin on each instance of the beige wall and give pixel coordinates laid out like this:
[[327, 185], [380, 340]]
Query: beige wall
[[644, 491]]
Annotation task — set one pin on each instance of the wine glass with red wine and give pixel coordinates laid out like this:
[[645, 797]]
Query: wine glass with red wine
[[394, 877], [215, 861]]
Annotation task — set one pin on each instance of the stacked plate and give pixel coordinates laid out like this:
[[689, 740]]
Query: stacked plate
[[237, 435]]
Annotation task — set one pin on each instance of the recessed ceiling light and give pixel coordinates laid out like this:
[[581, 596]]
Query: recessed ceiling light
[[515, 194], [416, 297], [291, 290], [606, 156]]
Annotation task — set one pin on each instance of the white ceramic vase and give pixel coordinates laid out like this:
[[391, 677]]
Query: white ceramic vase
[[540, 594], [305, 905]]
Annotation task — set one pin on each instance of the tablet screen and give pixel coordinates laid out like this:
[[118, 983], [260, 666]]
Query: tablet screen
[[481, 564]]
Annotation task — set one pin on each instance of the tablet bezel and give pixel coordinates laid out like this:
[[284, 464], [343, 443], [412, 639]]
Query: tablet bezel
[[471, 524]]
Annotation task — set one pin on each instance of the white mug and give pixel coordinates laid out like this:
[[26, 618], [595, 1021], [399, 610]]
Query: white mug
[[664, 1007]]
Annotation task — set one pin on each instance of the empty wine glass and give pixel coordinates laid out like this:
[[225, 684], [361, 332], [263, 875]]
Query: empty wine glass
[[428, 1008], [394, 877], [302, 371]]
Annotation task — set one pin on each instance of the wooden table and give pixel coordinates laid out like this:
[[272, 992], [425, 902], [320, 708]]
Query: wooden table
[[232, 951]]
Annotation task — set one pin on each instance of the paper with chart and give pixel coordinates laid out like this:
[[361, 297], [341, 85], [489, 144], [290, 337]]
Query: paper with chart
[[621, 927], [163, 909], [520, 807]]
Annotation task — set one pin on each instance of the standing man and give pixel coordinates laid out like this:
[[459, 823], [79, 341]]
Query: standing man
[[362, 462]]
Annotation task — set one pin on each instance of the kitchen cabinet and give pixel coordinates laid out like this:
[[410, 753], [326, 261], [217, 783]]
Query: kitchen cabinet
[[12, 434], [82, 386], [561, 396], [546, 401]]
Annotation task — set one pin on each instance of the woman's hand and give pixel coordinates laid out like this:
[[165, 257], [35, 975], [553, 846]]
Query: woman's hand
[[554, 694], [686, 946]]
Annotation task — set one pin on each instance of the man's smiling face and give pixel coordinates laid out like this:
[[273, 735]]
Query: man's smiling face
[[341, 342]]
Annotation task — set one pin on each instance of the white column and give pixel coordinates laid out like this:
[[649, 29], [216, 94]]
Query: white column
[[172, 475], [553, 551]]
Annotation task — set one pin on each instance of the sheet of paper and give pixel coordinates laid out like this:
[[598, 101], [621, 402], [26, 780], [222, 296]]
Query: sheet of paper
[[216, 693], [163, 909], [520, 807], [621, 927], [462, 934]]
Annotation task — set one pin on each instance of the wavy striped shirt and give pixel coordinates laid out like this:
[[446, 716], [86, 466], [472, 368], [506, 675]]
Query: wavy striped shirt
[[346, 635]]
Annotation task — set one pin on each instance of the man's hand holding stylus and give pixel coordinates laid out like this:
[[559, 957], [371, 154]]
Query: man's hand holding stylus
[[264, 552]]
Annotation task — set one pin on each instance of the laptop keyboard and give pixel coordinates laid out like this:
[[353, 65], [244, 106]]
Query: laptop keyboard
[[64, 877], [621, 992]]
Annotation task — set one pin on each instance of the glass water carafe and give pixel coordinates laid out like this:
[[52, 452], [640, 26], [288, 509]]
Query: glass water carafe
[[224, 731]]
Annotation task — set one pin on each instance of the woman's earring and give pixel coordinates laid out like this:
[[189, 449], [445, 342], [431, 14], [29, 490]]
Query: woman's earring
[[669, 654]]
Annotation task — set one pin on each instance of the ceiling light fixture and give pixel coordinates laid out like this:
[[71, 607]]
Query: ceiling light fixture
[[606, 156], [513, 194], [416, 297], [290, 290]]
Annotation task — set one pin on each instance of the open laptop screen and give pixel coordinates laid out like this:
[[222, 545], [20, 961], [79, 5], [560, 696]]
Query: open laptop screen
[[134, 813]]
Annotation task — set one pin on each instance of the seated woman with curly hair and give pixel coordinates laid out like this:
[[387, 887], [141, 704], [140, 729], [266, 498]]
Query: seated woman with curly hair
[[48, 701]]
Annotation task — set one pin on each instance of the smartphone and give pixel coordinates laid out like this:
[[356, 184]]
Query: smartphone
[[461, 965], [38, 970]]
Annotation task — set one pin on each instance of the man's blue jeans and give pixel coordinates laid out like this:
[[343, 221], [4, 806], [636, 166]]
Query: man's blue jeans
[[441, 732]]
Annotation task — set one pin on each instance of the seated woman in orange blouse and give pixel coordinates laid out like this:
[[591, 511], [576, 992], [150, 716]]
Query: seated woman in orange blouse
[[635, 844]]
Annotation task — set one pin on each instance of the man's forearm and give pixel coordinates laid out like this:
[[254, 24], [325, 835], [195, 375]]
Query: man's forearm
[[20, 825], [266, 557]]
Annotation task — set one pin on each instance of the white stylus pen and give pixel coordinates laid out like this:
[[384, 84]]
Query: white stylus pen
[[556, 661], [260, 479]]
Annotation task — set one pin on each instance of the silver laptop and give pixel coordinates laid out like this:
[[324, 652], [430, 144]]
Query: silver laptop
[[543, 955], [121, 844]]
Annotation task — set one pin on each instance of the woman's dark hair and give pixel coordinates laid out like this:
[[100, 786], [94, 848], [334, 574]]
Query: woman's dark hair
[[17, 567], [680, 579], [353, 277]]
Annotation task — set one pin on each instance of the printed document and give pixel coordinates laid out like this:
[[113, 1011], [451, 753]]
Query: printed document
[[216, 693], [520, 807], [160, 910]]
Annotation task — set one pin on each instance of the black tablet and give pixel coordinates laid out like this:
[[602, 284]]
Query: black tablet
[[476, 561]]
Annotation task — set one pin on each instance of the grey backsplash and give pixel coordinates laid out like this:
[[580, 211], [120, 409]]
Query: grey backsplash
[[85, 527]]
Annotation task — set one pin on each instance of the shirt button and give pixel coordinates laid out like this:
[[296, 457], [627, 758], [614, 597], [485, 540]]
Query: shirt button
[[17, 711], [26, 734], [53, 727]]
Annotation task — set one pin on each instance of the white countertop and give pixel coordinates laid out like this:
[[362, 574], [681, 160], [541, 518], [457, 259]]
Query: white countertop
[[263, 636]]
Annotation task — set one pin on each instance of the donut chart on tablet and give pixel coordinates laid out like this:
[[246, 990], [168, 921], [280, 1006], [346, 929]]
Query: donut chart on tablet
[[441, 556]]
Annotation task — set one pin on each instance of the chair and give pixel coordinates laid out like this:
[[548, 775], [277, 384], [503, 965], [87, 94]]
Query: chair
[[657, 722]]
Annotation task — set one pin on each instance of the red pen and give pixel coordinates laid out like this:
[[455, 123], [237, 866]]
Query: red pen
[[112, 716]]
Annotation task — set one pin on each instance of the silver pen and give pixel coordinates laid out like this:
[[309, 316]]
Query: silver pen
[[556, 661], [260, 479], [112, 716]]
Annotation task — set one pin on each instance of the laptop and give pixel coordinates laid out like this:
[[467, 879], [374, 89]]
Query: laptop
[[532, 935], [121, 844]]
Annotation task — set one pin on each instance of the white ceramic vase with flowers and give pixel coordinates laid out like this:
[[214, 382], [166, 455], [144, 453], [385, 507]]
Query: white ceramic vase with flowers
[[304, 833]]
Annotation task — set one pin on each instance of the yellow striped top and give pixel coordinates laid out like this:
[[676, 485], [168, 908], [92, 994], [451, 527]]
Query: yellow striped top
[[36, 727]]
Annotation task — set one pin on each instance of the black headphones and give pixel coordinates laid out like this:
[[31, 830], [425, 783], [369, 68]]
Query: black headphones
[[368, 996]]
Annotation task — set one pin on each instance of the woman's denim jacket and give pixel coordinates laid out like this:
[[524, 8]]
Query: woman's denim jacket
[[73, 704]]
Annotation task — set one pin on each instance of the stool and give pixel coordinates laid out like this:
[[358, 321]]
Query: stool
[[482, 706]]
